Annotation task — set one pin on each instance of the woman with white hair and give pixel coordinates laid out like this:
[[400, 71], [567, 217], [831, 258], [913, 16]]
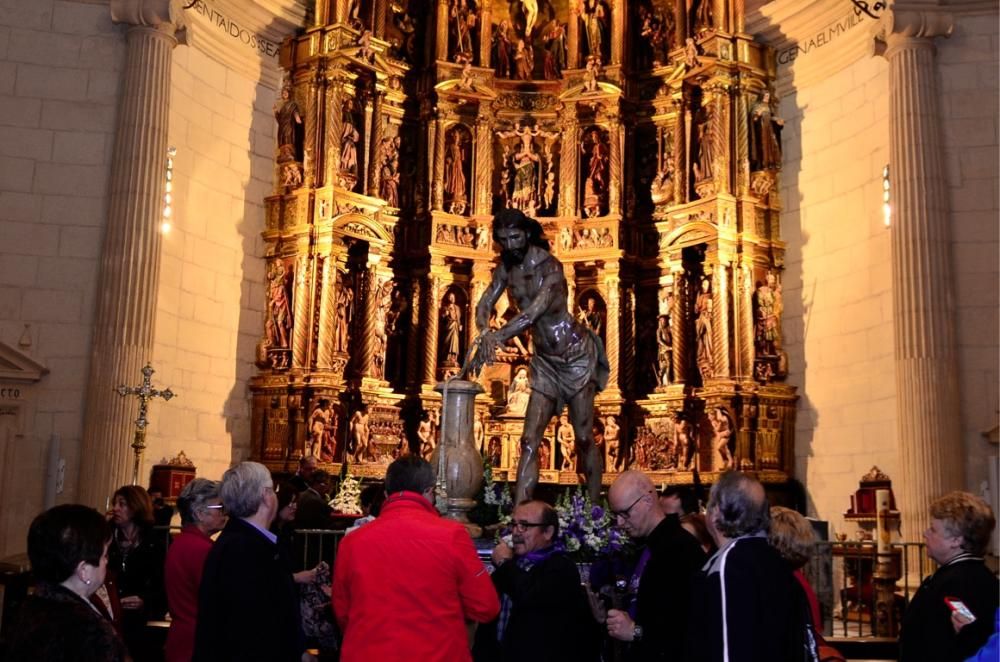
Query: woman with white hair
[[201, 517]]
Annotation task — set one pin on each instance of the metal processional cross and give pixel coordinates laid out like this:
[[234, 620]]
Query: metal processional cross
[[145, 392]]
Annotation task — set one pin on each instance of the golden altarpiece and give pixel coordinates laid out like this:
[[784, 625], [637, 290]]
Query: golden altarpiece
[[643, 137]]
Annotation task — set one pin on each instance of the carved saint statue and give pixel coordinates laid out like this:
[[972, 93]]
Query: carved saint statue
[[704, 167], [612, 442], [567, 443], [520, 391], [344, 313], [594, 17], [349, 138], [289, 117], [463, 23], [380, 330], [767, 306], [360, 435], [722, 427], [765, 132], [568, 366], [530, 9], [591, 317], [526, 164], [454, 172], [555, 50], [279, 321], [595, 184], [703, 307], [451, 332], [503, 49], [664, 352], [524, 60]]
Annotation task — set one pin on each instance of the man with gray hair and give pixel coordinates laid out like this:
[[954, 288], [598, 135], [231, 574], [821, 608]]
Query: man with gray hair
[[247, 607], [747, 606]]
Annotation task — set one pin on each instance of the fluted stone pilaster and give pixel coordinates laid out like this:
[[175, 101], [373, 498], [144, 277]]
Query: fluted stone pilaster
[[744, 278], [927, 397], [130, 258], [720, 321], [618, 8], [568, 167]]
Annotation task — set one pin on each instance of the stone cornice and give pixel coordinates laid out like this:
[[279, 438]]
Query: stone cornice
[[165, 16], [908, 25]]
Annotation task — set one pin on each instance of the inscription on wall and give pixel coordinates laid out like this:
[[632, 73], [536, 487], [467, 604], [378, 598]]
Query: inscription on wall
[[235, 31]]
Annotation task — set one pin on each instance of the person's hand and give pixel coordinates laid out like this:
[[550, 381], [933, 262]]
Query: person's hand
[[620, 625], [305, 577], [501, 553], [597, 608], [959, 621], [131, 602], [485, 353], [309, 656]]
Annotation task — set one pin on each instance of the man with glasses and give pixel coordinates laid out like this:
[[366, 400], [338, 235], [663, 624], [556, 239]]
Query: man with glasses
[[544, 614], [248, 608], [655, 621]]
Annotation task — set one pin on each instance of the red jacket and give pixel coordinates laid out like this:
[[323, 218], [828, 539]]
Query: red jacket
[[182, 575], [404, 585]]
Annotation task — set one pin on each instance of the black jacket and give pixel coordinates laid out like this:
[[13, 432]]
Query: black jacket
[[765, 607], [927, 634], [665, 591], [57, 625], [247, 605], [550, 619]]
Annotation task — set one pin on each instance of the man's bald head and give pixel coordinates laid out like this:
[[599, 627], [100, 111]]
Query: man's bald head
[[632, 498], [738, 506]]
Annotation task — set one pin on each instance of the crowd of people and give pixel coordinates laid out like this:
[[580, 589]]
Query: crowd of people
[[407, 584]]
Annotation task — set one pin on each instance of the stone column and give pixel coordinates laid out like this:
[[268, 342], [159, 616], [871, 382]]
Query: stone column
[[613, 285], [719, 18], [371, 289], [739, 16], [569, 272], [744, 277], [681, 21], [616, 167], [302, 314], [927, 398], [618, 8], [678, 327], [369, 119], [130, 258], [431, 326], [379, 18], [568, 166], [680, 155], [482, 193], [327, 314], [573, 36], [321, 13], [441, 52], [485, 34]]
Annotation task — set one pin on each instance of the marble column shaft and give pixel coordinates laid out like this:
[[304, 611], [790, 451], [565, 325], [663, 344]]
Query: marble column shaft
[[130, 257], [927, 396]]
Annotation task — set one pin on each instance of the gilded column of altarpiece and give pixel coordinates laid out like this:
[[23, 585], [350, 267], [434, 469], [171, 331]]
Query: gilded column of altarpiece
[[642, 136]]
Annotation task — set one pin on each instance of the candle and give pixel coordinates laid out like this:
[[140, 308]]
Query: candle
[[883, 534]]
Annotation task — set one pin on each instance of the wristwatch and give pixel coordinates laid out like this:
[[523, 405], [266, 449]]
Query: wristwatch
[[636, 632]]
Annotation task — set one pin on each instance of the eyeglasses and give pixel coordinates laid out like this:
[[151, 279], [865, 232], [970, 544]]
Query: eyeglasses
[[217, 506], [625, 514], [524, 526]]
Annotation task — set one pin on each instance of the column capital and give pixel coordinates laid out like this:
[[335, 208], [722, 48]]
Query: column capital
[[166, 16], [911, 26]]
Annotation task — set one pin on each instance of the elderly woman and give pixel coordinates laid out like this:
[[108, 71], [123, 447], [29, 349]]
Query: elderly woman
[[957, 538], [135, 565], [201, 518], [793, 537], [68, 549]]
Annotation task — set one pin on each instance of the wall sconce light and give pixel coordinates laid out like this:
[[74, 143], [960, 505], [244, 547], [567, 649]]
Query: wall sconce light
[[886, 207], [168, 194]]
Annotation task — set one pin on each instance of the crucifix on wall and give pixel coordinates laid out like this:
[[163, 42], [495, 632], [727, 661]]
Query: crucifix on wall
[[145, 392]]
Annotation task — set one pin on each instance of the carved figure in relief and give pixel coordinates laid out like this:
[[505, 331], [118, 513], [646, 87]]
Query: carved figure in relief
[[595, 184], [344, 313], [381, 329], [425, 432], [704, 18], [482, 236], [291, 174], [565, 239], [463, 22], [451, 337], [360, 435], [526, 164], [765, 132], [319, 428], [664, 352], [349, 138], [593, 15], [555, 50], [530, 9], [519, 393], [389, 183], [703, 307], [704, 167], [685, 442], [454, 172], [545, 454], [289, 118], [524, 60], [723, 428], [279, 322], [612, 442], [691, 53], [591, 317], [767, 307], [593, 72], [479, 433], [569, 364], [503, 49], [365, 51], [567, 443], [550, 189]]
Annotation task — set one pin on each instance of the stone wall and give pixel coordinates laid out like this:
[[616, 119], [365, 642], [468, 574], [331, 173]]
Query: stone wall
[[60, 65], [837, 282], [209, 309]]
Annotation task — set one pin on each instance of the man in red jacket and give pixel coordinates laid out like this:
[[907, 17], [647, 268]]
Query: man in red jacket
[[405, 585]]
